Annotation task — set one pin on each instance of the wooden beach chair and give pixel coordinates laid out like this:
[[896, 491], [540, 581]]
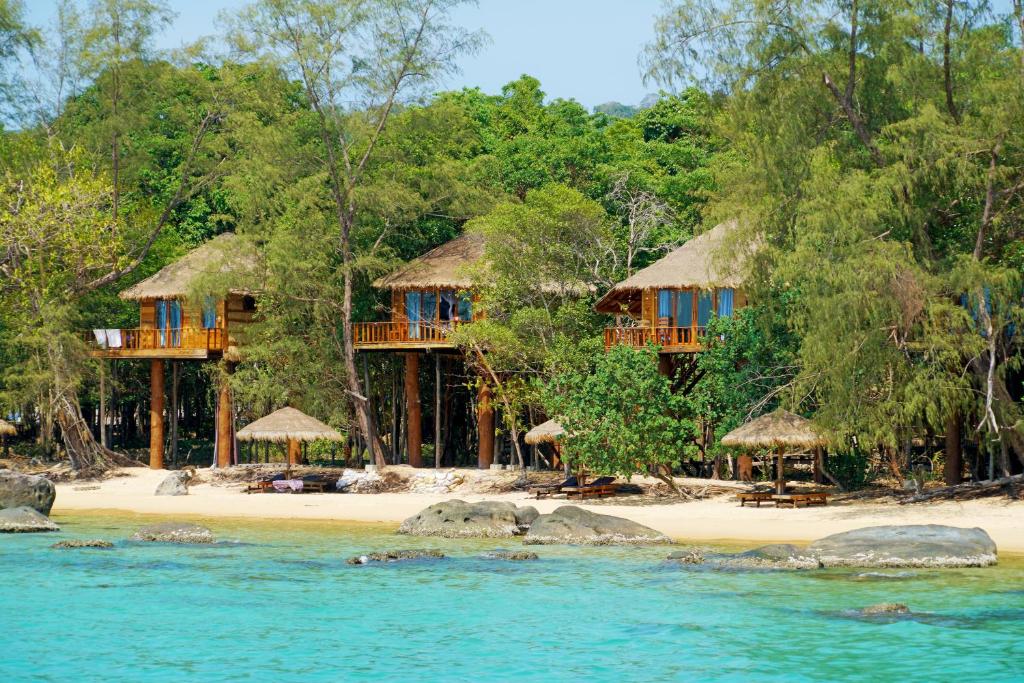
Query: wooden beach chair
[[545, 490], [604, 486], [800, 500], [265, 485], [755, 497]]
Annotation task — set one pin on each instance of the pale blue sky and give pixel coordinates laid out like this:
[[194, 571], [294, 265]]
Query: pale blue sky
[[581, 49]]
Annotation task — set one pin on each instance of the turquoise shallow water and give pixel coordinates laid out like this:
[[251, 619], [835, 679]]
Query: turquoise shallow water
[[278, 603]]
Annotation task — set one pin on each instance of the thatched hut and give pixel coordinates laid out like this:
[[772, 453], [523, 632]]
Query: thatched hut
[[6, 430], [289, 426], [548, 432], [674, 298], [777, 431]]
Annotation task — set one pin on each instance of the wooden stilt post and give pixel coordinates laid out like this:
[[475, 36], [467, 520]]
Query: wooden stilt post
[[103, 404], [156, 414], [485, 427], [294, 452], [412, 402], [225, 420], [438, 439], [953, 470], [819, 462], [175, 377], [780, 477]]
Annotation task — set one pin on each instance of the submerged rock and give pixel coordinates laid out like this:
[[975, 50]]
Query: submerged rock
[[688, 556], [774, 556], [459, 519], [24, 519], [173, 532], [574, 525], [885, 608], [26, 490], [396, 556], [913, 545], [174, 484], [511, 555], [81, 543]]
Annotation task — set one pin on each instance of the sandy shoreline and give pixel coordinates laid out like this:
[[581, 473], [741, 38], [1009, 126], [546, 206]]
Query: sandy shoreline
[[717, 519]]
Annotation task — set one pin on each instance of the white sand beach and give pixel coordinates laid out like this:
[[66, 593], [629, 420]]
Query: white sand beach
[[714, 519]]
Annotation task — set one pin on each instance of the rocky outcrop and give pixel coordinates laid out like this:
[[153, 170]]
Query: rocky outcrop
[[81, 543], [459, 519], [885, 608], [511, 555], [914, 545], [174, 484], [774, 556], [526, 516], [173, 532], [687, 556], [574, 525], [28, 490], [396, 556], [24, 519]]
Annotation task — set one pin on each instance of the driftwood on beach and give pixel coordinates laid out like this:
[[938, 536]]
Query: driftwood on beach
[[974, 489]]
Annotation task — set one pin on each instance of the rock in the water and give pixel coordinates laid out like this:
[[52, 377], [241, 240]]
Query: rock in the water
[[28, 490], [174, 484], [571, 524], [459, 519], [511, 555], [525, 516], [81, 543], [173, 532], [396, 556], [687, 556], [24, 519], [913, 545], [885, 608]]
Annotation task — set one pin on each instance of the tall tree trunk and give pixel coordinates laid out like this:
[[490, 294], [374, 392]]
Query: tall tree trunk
[[953, 470]]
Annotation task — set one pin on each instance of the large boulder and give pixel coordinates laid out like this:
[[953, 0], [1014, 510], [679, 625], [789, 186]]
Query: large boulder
[[173, 532], [174, 484], [27, 490], [24, 519], [459, 519], [912, 545], [571, 524]]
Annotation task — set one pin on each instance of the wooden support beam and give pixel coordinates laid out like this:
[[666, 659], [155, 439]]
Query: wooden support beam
[[225, 425], [156, 414], [819, 465], [412, 403], [438, 390], [954, 467], [485, 427], [294, 452], [780, 476]]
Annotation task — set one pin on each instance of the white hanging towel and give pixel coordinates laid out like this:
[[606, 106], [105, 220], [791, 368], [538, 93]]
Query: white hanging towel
[[114, 339], [101, 338]]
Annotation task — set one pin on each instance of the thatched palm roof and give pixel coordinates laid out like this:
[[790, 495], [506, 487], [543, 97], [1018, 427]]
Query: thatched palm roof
[[7, 429], [779, 429], [444, 266], [549, 432], [224, 254], [288, 424], [697, 265]]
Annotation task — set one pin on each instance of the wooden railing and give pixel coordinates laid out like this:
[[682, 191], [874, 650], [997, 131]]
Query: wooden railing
[[146, 339], [668, 338], [403, 333]]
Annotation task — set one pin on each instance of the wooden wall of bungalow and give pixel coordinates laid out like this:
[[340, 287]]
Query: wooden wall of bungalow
[[231, 315]]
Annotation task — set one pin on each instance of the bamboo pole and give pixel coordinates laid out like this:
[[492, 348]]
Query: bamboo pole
[[156, 414]]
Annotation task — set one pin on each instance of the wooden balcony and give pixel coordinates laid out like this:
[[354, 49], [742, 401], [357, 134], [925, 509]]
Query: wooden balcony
[[404, 335], [185, 342], [670, 339]]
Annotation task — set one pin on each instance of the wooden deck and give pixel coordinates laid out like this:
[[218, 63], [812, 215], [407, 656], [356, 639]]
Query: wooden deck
[[400, 335], [670, 339], [186, 343]]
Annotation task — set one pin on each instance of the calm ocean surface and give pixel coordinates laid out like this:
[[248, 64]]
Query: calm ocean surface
[[278, 603]]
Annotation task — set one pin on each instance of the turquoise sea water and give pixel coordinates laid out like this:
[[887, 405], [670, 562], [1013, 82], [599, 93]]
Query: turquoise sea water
[[278, 603]]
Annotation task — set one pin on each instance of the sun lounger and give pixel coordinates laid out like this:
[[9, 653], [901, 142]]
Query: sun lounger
[[544, 490], [604, 486], [800, 500], [755, 497], [265, 485]]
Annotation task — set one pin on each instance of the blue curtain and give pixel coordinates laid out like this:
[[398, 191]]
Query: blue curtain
[[684, 308], [428, 311], [209, 313], [725, 299], [175, 323], [161, 321], [664, 303], [465, 307], [704, 306], [412, 312]]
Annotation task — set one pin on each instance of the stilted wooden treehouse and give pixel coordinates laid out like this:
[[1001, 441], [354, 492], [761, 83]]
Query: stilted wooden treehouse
[[671, 302], [173, 326], [429, 297]]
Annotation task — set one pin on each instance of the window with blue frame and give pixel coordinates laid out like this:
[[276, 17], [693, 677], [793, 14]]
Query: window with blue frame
[[705, 304], [684, 308], [664, 303], [174, 323], [726, 297], [161, 321], [209, 313], [412, 313]]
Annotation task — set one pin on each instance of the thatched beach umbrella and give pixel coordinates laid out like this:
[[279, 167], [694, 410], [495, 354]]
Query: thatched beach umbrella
[[549, 432], [290, 426], [6, 430], [777, 430]]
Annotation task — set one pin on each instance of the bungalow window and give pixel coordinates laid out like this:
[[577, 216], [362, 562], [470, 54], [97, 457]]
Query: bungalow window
[[413, 302], [705, 304], [725, 302], [665, 303], [209, 313], [168, 322], [447, 307], [465, 307]]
